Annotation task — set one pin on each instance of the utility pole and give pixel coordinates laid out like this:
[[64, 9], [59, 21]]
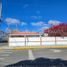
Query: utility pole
[[0, 12]]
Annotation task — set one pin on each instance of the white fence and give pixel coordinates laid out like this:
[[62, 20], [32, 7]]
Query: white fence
[[37, 41]]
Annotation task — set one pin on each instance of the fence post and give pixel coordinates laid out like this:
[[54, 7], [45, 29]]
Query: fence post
[[55, 40], [25, 40], [40, 40]]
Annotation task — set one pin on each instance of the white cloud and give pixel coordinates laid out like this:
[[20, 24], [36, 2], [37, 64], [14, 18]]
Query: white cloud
[[8, 30], [54, 22], [43, 28], [38, 24], [23, 23], [12, 21]]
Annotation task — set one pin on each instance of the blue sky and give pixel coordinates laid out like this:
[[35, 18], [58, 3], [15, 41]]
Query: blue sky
[[33, 15]]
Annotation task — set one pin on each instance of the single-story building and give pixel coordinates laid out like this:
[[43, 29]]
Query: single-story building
[[24, 38]]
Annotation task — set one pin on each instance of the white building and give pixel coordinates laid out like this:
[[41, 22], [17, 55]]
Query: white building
[[24, 39]]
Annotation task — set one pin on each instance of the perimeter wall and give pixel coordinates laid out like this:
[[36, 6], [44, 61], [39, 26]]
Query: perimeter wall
[[37, 41]]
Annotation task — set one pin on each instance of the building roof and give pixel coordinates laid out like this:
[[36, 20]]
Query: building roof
[[24, 33]]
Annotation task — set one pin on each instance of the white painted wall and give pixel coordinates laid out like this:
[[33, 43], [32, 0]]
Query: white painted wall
[[33, 38], [17, 41], [48, 40], [61, 40], [35, 41]]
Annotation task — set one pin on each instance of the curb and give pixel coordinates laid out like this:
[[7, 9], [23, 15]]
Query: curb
[[31, 47]]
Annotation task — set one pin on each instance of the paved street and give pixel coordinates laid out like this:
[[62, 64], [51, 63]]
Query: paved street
[[10, 56]]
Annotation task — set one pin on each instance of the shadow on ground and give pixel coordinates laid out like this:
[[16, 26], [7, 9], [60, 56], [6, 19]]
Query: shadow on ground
[[40, 62]]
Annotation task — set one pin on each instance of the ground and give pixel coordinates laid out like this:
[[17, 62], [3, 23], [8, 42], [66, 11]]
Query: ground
[[12, 56]]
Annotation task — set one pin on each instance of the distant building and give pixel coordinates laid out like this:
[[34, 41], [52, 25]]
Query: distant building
[[58, 30], [23, 34], [3, 36], [24, 38]]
